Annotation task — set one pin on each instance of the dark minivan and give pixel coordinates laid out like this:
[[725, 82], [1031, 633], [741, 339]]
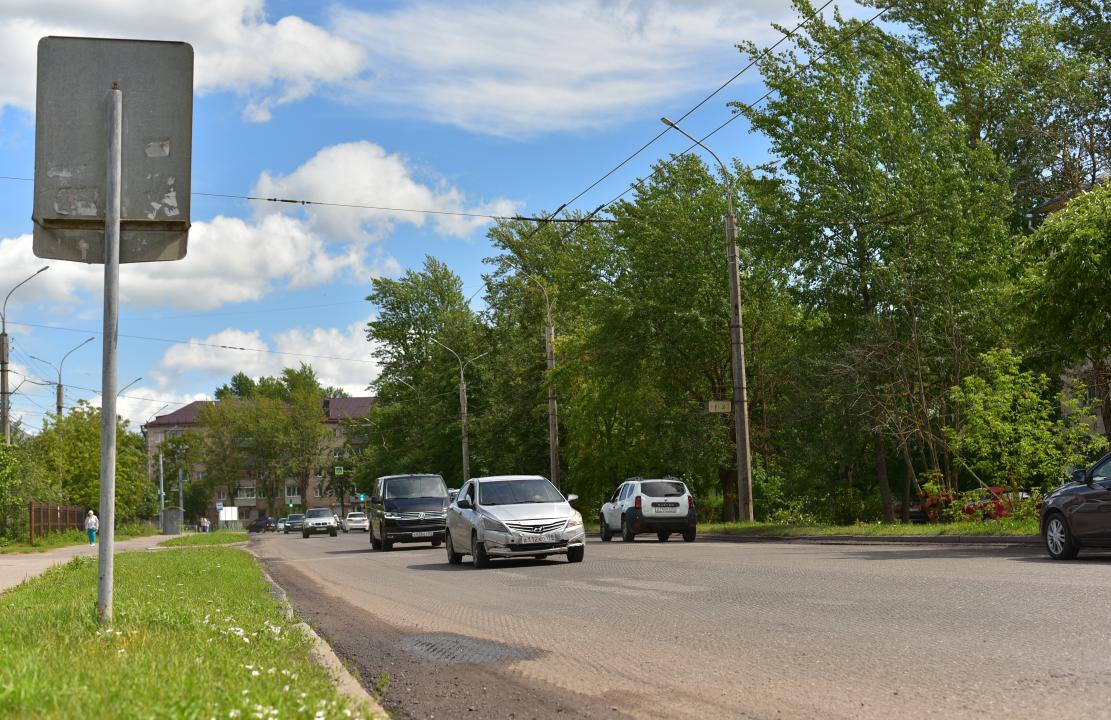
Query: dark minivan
[[407, 509]]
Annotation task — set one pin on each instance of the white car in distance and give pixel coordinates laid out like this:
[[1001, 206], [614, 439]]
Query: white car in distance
[[356, 521]]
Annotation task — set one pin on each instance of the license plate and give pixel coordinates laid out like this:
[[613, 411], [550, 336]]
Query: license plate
[[666, 509], [423, 534]]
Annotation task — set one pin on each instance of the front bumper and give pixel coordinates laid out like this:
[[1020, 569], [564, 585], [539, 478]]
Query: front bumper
[[678, 523], [318, 529], [503, 545], [414, 531]]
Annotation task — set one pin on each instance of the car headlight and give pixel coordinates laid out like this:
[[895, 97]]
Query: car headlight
[[489, 523], [574, 522], [391, 516]]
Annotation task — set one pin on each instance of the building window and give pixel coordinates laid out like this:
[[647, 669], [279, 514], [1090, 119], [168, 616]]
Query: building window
[[245, 493], [318, 492], [291, 491], [221, 494]]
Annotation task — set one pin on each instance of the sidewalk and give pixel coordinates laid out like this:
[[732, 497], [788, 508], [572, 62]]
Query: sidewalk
[[17, 567]]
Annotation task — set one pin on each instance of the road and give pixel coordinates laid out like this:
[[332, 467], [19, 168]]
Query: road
[[713, 630]]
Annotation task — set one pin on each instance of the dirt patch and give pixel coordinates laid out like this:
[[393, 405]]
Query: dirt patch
[[426, 678]]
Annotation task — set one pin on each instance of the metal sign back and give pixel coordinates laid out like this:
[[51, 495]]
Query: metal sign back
[[71, 127]]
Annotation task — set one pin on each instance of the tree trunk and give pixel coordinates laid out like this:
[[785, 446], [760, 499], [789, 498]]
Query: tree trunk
[[910, 478], [881, 474]]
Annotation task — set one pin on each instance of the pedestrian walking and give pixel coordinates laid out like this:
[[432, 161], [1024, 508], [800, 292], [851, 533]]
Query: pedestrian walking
[[92, 524]]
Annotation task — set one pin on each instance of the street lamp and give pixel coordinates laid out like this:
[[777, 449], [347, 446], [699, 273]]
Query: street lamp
[[737, 337], [58, 367], [5, 396], [549, 352], [462, 403]]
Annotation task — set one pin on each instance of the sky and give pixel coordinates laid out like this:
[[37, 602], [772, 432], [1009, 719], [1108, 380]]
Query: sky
[[481, 108]]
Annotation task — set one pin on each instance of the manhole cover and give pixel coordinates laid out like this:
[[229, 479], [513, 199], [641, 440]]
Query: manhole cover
[[458, 649]]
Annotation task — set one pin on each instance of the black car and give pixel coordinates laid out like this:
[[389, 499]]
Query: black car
[[261, 524], [294, 522], [1078, 514], [407, 508]]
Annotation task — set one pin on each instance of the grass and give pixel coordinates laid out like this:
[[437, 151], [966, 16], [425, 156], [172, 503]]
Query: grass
[[216, 537], [75, 537], [993, 527], [196, 635]]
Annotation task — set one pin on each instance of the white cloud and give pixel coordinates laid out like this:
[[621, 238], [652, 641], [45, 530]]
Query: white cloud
[[340, 356], [236, 47], [521, 68], [362, 173], [229, 261]]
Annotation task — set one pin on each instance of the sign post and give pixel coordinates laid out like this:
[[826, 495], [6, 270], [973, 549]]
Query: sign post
[[112, 184]]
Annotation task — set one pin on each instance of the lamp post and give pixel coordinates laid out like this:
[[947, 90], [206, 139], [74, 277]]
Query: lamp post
[[737, 338], [462, 404], [161, 486], [5, 396], [58, 368], [553, 406]]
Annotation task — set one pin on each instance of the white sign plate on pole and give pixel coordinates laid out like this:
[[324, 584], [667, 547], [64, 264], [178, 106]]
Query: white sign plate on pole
[[156, 78], [720, 406]]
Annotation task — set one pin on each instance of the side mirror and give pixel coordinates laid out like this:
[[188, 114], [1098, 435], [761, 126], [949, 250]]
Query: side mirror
[[464, 503], [572, 498], [1079, 476]]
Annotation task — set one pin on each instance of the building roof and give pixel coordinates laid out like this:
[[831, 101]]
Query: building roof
[[335, 409]]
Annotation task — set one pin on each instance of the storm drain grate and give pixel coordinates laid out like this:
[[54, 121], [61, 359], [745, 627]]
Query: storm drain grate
[[458, 649]]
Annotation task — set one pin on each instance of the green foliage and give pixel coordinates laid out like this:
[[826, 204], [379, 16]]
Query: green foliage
[[1011, 435]]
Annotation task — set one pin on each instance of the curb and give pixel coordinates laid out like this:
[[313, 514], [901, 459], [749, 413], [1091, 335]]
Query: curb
[[1019, 540], [322, 652]]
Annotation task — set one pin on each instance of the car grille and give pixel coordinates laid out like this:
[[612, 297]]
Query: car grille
[[536, 527], [426, 515]]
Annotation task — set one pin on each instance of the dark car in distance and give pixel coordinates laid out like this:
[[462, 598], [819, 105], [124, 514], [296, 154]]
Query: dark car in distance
[[261, 524], [1077, 515], [407, 509], [294, 522]]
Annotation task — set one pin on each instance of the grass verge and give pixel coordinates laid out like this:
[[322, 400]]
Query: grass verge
[[216, 537], [75, 537], [989, 528], [196, 635]]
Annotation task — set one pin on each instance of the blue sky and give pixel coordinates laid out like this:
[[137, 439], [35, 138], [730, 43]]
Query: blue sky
[[494, 107]]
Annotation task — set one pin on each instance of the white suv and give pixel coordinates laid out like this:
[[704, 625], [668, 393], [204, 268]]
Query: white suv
[[663, 506]]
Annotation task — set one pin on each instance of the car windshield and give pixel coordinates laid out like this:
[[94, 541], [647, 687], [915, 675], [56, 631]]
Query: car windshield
[[518, 492], [355, 516], [662, 488], [319, 513], [415, 486], [296, 517]]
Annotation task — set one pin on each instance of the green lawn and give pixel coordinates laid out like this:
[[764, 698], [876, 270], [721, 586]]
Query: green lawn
[[196, 635], [216, 537], [75, 537], [994, 527]]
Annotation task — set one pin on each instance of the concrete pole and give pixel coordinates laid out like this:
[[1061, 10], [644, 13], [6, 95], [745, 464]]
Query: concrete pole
[[161, 489], [463, 415], [5, 421], [553, 408], [181, 493], [108, 379]]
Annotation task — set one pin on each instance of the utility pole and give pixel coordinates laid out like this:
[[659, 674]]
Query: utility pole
[[737, 342], [161, 489], [5, 396], [463, 404], [58, 395], [181, 491]]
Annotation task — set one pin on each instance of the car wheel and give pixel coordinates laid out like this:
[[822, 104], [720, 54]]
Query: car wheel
[[304, 534], [435, 542], [387, 545], [576, 554], [688, 535], [453, 557], [663, 536], [478, 553], [606, 532], [332, 532], [627, 533], [286, 532], [1058, 539]]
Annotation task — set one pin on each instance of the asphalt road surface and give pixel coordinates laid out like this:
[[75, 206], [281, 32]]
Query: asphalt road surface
[[713, 630]]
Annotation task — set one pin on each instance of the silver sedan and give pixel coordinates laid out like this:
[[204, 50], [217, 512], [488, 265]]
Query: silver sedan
[[513, 516]]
